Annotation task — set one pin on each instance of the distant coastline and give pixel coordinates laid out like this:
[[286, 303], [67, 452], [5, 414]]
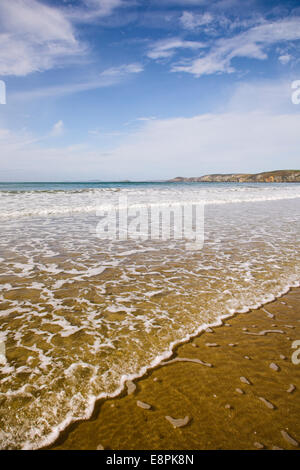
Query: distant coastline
[[278, 176]]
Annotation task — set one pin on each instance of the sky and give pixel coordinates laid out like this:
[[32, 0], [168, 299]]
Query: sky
[[147, 89]]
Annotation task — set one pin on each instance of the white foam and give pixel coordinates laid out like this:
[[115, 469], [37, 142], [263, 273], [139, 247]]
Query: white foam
[[46, 441], [166, 295], [66, 203]]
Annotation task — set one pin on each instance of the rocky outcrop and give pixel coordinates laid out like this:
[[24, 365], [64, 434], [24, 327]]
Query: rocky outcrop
[[279, 176]]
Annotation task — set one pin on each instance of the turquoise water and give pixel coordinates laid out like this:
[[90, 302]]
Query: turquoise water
[[82, 185]]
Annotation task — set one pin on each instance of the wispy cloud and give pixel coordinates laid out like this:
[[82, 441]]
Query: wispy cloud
[[122, 70], [101, 133], [252, 135], [252, 43], [57, 129], [91, 10], [34, 37], [168, 47], [181, 146], [183, 2], [108, 77], [193, 21], [285, 58]]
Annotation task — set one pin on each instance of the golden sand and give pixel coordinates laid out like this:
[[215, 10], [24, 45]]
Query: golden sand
[[248, 399]]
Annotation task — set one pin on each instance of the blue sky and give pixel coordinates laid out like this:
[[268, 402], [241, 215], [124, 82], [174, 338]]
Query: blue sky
[[147, 89]]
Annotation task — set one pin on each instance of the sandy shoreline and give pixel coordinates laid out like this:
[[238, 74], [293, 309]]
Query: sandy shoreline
[[223, 410]]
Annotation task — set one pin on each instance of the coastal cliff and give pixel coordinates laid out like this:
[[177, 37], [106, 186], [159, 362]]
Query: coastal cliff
[[279, 176]]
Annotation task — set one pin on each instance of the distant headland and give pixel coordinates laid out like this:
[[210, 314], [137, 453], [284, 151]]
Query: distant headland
[[278, 176]]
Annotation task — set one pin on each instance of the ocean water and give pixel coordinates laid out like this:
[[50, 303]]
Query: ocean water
[[80, 315]]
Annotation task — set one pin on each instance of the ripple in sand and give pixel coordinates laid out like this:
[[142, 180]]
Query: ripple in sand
[[186, 359], [289, 438], [270, 315], [264, 332], [178, 423]]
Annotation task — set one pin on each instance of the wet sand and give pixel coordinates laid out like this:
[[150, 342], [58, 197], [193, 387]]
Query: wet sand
[[238, 390]]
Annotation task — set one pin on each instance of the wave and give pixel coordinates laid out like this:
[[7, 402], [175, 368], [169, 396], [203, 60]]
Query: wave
[[56, 210], [89, 315], [53, 436]]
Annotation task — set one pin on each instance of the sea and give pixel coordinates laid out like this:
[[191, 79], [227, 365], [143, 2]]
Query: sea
[[82, 313]]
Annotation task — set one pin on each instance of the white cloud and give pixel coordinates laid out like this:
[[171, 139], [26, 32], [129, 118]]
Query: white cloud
[[101, 133], [34, 37], [91, 10], [192, 21], [257, 130], [210, 143], [35, 19], [167, 47], [231, 141], [122, 70], [23, 158], [57, 129], [252, 44], [285, 58], [183, 2], [271, 96], [108, 77]]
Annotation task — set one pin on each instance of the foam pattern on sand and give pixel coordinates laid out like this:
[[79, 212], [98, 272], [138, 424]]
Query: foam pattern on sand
[[81, 316]]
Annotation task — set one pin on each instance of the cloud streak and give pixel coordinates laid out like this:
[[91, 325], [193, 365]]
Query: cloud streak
[[168, 47], [34, 37], [193, 21], [253, 43], [92, 10], [249, 136], [58, 129], [108, 77]]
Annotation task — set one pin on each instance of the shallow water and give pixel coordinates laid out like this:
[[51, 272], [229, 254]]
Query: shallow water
[[79, 315]]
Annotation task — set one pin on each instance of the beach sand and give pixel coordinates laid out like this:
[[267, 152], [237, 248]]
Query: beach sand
[[219, 408]]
